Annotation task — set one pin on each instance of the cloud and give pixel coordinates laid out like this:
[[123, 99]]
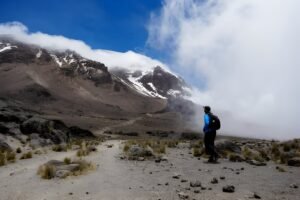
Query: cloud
[[248, 54], [129, 59]]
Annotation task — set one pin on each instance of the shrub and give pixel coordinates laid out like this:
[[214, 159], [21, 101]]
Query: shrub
[[11, 156], [83, 166], [46, 171], [60, 148], [2, 158], [233, 157], [82, 152], [27, 155], [126, 147], [67, 160], [197, 152]]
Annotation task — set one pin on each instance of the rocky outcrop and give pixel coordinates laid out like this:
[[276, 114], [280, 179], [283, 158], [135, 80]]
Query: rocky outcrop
[[4, 146], [76, 132], [54, 130]]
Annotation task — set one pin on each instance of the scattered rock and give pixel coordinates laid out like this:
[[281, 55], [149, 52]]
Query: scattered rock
[[235, 158], [214, 180], [136, 151], [229, 188], [256, 196], [141, 158], [224, 146], [183, 181], [294, 186], [196, 191], [183, 195], [256, 163], [176, 176], [294, 162], [280, 169], [4, 146], [77, 132], [222, 177], [195, 184]]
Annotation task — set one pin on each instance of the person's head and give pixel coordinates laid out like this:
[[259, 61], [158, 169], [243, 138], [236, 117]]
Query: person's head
[[206, 109]]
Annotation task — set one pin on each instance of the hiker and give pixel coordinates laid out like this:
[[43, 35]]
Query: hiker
[[211, 125]]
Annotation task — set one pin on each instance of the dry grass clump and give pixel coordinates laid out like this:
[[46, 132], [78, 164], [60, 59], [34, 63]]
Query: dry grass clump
[[27, 155], [82, 152], [84, 166], [197, 152], [49, 171], [7, 156], [46, 171], [59, 148], [86, 149], [234, 157], [158, 146], [67, 160], [2, 158]]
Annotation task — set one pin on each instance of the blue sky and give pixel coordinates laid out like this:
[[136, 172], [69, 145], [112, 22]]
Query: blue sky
[[107, 24]]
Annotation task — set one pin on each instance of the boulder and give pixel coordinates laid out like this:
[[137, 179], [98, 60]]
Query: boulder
[[183, 195], [77, 132], [36, 141], [137, 151], [229, 188], [294, 162], [224, 146], [10, 116], [195, 184], [4, 146], [256, 163], [235, 158], [3, 128]]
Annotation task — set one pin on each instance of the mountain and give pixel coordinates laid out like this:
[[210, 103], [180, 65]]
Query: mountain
[[66, 85]]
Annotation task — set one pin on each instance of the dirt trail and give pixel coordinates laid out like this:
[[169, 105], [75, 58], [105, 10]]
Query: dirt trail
[[109, 128], [130, 180]]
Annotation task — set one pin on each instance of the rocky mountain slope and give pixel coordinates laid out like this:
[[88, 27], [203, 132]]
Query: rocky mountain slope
[[66, 85]]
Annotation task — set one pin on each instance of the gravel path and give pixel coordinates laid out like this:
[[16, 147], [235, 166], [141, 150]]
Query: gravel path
[[122, 179]]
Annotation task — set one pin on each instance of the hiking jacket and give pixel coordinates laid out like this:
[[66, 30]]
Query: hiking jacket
[[207, 120]]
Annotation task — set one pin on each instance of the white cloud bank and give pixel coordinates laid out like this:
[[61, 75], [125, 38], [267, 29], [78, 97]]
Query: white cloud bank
[[129, 59], [248, 52]]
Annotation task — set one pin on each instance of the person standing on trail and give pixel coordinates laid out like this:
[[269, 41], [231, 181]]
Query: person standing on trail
[[211, 125]]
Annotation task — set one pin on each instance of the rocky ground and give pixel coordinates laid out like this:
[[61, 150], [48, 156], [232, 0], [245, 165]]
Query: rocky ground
[[178, 174]]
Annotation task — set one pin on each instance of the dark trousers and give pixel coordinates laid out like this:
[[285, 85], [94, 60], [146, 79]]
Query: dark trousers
[[209, 142]]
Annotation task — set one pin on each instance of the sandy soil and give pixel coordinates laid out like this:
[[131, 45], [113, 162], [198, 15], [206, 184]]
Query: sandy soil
[[123, 179]]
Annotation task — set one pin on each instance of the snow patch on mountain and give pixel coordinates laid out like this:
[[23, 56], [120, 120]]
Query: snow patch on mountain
[[38, 55], [55, 58], [6, 47], [141, 89]]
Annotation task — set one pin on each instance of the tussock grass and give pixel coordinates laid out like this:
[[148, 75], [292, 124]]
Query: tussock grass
[[27, 155], [2, 158], [67, 160], [197, 152], [7, 156], [60, 148], [46, 171], [158, 146]]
